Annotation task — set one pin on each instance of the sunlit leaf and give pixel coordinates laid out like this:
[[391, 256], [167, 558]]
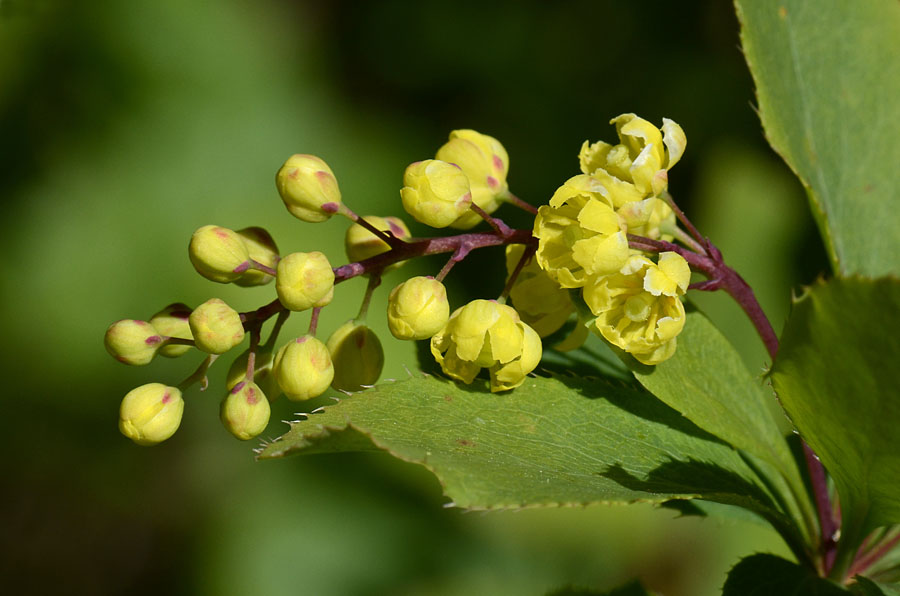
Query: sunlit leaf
[[828, 81]]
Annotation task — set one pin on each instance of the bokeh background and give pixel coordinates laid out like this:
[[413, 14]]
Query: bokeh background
[[126, 125]]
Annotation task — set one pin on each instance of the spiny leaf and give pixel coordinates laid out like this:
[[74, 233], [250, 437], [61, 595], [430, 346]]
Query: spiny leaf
[[553, 441]]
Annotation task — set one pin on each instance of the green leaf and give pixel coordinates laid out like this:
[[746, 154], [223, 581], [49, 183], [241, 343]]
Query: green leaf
[[707, 382], [553, 441], [866, 587], [828, 86], [764, 575], [837, 375]]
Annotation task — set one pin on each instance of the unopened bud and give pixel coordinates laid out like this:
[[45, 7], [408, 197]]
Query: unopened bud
[[485, 163], [303, 368], [304, 280], [151, 413], [245, 411], [216, 327], [132, 342], [435, 193], [262, 373], [362, 244], [308, 188], [218, 254], [357, 356], [172, 321], [418, 308], [262, 249]]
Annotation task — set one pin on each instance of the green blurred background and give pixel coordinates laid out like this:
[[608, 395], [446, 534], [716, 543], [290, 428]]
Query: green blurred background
[[125, 126]]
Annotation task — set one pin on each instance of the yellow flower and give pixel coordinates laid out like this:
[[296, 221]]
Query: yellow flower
[[651, 218], [132, 342], [172, 321], [151, 413], [304, 280], [262, 373], [643, 156], [486, 334], [262, 249], [218, 254], [485, 163], [418, 308], [361, 244], [539, 300], [435, 193], [245, 411], [303, 368], [308, 188], [579, 234], [216, 327], [638, 309], [357, 356]]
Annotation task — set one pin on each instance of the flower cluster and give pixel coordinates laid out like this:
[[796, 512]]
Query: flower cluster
[[583, 241], [580, 255]]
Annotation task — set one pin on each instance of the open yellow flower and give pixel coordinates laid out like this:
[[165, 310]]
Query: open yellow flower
[[643, 156], [579, 233], [638, 309], [487, 334]]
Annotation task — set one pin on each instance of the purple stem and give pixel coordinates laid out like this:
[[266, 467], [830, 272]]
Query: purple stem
[[251, 356], [314, 321], [498, 225], [683, 219], [387, 237], [722, 276], [873, 557], [260, 267], [513, 199], [526, 256], [431, 246]]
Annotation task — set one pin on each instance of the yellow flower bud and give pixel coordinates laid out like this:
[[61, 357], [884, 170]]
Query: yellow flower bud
[[579, 234], [132, 342], [218, 254], [486, 334], [262, 373], [361, 244], [435, 192], [418, 308], [216, 327], [303, 368], [357, 356], [308, 188], [639, 320], [304, 280], [172, 321], [485, 163], [643, 156], [262, 249], [541, 302], [151, 413], [245, 411]]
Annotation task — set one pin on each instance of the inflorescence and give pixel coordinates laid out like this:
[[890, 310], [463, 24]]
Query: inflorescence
[[600, 258]]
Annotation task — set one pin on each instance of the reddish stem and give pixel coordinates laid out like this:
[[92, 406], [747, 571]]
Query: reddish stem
[[526, 256], [514, 200], [499, 226], [873, 557], [721, 276]]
